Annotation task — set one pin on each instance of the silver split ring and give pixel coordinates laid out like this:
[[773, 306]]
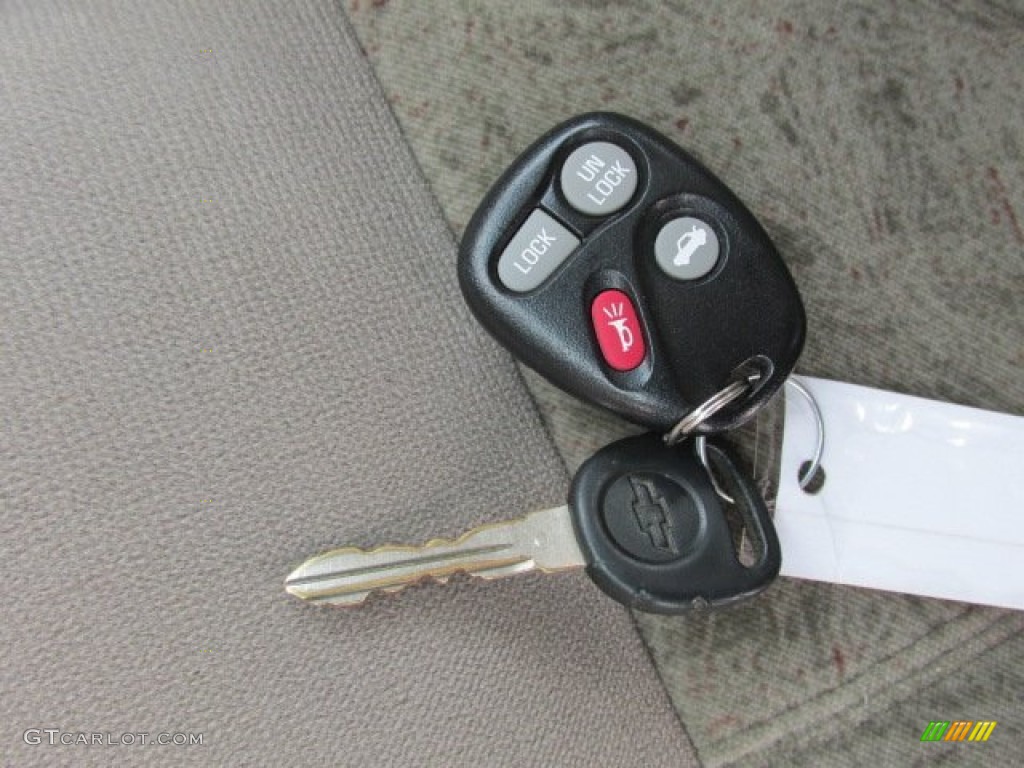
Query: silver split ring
[[724, 397]]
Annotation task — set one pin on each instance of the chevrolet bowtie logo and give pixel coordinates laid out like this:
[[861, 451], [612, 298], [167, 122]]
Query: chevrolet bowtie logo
[[652, 514]]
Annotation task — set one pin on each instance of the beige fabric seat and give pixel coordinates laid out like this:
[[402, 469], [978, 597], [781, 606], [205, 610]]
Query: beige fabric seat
[[203, 209], [232, 338]]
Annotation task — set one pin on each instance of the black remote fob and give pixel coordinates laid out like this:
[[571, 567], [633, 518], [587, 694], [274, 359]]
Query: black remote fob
[[621, 269]]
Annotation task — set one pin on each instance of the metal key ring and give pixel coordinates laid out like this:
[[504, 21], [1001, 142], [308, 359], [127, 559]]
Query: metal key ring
[[721, 399], [700, 445], [807, 475], [805, 478]]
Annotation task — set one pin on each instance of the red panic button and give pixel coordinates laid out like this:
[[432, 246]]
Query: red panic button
[[618, 330]]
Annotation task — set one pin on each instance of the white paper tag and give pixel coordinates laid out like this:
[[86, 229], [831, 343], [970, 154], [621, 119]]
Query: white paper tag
[[920, 496]]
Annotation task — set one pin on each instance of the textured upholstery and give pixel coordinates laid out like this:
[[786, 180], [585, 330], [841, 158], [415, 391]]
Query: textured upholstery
[[232, 338], [880, 145]]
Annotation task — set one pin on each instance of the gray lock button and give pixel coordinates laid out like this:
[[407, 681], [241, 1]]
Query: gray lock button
[[686, 248], [534, 252], [599, 178]]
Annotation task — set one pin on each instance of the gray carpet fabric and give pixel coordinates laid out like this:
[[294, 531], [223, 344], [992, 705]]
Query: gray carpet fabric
[[232, 338], [880, 145]]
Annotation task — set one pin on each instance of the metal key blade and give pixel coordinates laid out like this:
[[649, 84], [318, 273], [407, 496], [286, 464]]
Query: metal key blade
[[542, 541]]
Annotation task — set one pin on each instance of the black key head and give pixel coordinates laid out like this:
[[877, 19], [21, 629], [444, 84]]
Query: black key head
[[656, 535]]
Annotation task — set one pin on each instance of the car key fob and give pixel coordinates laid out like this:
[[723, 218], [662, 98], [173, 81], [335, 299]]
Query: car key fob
[[617, 266]]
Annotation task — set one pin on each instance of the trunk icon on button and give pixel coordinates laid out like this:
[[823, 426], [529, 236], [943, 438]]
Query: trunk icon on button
[[688, 243], [618, 330]]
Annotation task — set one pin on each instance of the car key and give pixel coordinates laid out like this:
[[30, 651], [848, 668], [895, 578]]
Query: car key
[[621, 269], [643, 518]]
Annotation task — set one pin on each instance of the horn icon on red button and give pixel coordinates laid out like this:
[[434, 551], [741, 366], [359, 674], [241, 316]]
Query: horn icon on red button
[[618, 331]]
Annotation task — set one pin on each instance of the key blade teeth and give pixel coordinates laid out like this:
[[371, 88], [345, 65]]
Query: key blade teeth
[[542, 541], [349, 576]]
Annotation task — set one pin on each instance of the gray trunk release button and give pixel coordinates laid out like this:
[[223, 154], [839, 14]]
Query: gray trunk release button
[[686, 248], [535, 251], [599, 178]]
